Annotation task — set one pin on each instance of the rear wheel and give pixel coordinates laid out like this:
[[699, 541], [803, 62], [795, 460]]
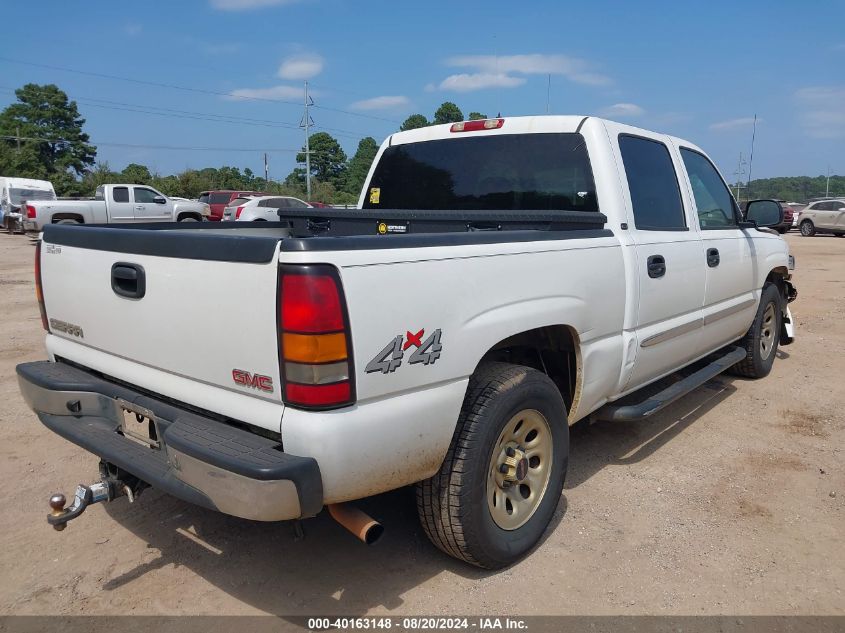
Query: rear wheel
[[68, 221], [761, 341], [502, 478], [188, 218], [808, 229]]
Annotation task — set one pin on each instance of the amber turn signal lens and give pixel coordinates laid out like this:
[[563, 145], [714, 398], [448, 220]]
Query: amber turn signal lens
[[314, 348]]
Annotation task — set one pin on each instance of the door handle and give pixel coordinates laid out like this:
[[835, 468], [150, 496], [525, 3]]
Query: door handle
[[656, 266], [139, 207], [712, 257], [128, 280]]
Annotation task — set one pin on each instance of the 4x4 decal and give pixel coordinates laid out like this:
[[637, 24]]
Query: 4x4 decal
[[390, 358]]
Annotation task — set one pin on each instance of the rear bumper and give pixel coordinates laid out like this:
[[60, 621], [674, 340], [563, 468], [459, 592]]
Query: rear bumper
[[199, 459]]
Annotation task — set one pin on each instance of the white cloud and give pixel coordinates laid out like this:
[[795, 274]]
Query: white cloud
[[133, 29], [302, 66], [574, 69], [733, 124], [245, 5], [271, 92], [822, 115], [467, 82], [622, 111], [381, 103]]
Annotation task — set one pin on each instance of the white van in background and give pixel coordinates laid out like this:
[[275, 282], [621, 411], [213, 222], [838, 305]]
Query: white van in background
[[14, 192]]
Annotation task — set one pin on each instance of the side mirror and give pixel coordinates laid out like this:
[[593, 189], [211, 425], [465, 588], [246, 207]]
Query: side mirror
[[764, 213], [160, 200]]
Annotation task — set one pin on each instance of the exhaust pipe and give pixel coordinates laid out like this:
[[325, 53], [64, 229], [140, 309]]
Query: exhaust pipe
[[363, 526]]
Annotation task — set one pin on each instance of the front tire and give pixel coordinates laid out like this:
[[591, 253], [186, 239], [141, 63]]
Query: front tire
[[808, 229], [503, 475], [761, 341]]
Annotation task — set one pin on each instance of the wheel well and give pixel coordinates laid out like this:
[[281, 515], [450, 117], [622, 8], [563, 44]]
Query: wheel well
[[188, 214], [67, 216], [552, 350], [778, 276]]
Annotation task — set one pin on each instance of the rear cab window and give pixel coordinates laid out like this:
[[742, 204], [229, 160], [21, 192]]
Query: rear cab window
[[120, 194], [514, 172], [220, 198], [653, 184], [204, 197]]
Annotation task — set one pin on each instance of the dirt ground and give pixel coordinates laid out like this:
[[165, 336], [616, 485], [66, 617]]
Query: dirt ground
[[730, 502]]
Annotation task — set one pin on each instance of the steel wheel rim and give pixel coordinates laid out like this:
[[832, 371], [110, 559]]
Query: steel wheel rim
[[767, 331], [520, 469]]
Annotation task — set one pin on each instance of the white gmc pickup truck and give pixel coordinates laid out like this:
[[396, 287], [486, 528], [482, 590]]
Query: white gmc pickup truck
[[114, 203], [501, 280]]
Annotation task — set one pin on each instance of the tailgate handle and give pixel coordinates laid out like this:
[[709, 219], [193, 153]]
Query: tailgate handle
[[128, 280]]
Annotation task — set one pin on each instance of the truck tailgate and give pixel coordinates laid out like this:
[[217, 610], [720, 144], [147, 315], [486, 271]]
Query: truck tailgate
[[202, 315]]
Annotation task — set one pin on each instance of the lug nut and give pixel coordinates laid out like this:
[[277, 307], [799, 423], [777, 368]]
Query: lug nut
[[503, 468], [509, 451]]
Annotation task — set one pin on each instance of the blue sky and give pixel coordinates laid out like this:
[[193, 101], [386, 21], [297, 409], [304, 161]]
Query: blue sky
[[699, 70]]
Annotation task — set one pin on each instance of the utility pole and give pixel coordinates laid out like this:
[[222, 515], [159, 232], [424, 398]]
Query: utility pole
[[307, 123], [266, 170], [739, 173], [751, 158]]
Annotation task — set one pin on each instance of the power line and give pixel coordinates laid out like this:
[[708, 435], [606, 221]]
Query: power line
[[164, 147], [188, 114], [143, 82]]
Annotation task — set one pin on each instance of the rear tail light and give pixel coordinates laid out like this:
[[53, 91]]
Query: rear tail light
[[479, 124], [238, 212], [30, 212], [39, 292], [314, 338]]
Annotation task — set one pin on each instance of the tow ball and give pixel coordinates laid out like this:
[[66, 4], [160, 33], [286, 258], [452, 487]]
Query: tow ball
[[84, 497]]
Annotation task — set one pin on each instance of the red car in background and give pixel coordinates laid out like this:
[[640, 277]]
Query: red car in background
[[220, 199]]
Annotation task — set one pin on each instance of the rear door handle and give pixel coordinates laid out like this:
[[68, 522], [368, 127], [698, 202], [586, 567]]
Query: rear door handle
[[712, 257], [656, 266], [128, 280]]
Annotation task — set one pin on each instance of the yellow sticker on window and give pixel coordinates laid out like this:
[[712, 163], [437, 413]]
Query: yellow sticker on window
[[375, 194]]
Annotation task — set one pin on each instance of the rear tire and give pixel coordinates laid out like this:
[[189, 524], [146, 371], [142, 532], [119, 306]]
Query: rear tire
[[782, 230], [68, 221], [808, 229], [512, 418], [761, 341]]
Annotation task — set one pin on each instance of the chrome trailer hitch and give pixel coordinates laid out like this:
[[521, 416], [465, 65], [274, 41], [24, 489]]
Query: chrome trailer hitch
[[109, 488]]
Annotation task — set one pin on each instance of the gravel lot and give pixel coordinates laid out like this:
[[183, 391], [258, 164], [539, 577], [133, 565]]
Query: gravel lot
[[729, 502]]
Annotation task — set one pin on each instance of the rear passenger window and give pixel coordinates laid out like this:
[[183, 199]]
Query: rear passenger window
[[120, 194], [655, 195], [714, 202]]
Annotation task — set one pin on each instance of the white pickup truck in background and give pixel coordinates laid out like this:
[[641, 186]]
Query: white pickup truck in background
[[115, 204], [502, 280]]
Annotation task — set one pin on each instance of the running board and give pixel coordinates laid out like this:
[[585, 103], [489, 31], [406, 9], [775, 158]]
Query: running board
[[656, 402]]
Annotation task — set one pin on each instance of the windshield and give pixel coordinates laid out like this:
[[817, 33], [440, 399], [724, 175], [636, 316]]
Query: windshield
[[521, 172], [19, 196]]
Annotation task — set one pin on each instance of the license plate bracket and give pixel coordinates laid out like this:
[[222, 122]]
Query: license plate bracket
[[139, 424]]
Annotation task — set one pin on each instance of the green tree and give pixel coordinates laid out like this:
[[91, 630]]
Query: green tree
[[328, 160], [359, 166], [136, 174], [476, 116], [448, 112], [53, 142], [413, 122]]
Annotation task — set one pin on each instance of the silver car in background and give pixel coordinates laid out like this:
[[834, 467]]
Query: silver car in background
[[823, 216], [262, 209]]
